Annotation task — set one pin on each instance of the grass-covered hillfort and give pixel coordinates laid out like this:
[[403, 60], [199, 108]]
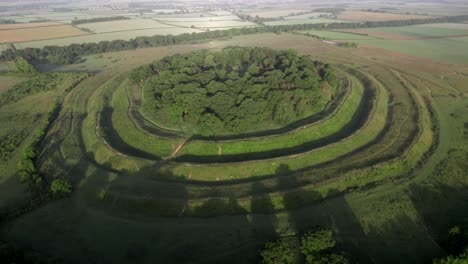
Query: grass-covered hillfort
[[250, 135]]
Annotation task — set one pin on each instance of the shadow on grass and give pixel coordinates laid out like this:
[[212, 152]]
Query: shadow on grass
[[113, 138]]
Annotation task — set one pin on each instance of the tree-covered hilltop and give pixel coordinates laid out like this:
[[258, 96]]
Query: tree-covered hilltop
[[235, 89]]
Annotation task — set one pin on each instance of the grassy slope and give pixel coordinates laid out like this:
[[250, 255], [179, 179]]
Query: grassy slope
[[389, 223], [295, 162], [130, 134], [426, 30]]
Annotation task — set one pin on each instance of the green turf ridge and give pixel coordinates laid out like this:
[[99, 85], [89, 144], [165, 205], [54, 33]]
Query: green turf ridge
[[317, 130], [236, 171], [391, 145], [96, 147], [290, 199], [360, 178], [130, 134]]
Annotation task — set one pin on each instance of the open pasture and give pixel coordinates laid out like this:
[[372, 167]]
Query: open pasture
[[376, 34], [374, 16], [434, 49], [335, 35], [63, 17], [39, 33], [443, 30], [212, 24], [273, 13], [124, 25]]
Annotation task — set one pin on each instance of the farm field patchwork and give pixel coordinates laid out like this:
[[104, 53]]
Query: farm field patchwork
[[90, 38], [374, 16]]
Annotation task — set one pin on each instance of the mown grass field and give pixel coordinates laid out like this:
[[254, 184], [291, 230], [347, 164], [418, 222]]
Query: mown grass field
[[375, 16], [334, 35], [123, 25], [434, 49], [387, 191], [407, 40], [212, 24]]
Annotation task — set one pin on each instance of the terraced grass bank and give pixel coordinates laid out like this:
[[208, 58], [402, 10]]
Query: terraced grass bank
[[359, 167]]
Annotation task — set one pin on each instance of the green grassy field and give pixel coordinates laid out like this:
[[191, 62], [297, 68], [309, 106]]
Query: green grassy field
[[124, 25], [434, 37], [333, 35], [434, 49], [304, 21], [427, 30]]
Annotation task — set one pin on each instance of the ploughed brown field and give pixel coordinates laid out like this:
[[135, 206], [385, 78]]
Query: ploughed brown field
[[39, 33]]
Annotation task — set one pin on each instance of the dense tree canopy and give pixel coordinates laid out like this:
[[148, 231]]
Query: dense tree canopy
[[235, 88]]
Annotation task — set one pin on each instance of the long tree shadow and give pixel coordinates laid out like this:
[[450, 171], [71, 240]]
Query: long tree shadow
[[442, 201], [397, 239]]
